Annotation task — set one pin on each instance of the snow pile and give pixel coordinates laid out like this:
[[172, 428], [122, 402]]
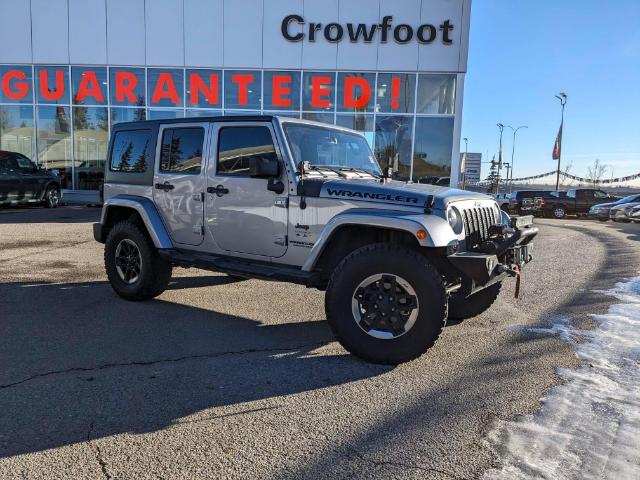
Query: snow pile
[[588, 427]]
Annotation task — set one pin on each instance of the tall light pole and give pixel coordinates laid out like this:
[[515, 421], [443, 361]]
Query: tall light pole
[[501, 128], [513, 151], [563, 101], [466, 156]]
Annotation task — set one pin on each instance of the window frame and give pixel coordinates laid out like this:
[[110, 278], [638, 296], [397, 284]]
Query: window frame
[[185, 126], [112, 145], [222, 126]]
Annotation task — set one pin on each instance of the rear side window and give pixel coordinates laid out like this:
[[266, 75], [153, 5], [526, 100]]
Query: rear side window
[[131, 151], [181, 150], [237, 145]]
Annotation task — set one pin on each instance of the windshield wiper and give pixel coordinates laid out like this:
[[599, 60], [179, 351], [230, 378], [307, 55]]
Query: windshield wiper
[[326, 167], [360, 170]]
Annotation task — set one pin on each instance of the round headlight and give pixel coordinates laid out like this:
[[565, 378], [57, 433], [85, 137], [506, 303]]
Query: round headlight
[[455, 220]]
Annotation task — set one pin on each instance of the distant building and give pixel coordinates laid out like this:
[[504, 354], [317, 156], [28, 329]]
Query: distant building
[[472, 167]]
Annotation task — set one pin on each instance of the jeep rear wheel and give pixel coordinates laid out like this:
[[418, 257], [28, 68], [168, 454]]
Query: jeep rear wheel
[[461, 308], [386, 303], [134, 268]]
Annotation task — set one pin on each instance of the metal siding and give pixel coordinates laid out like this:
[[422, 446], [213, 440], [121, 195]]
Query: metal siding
[[50, 23], [360, 55], [319, 54], [87, 31], [279, 52], [15, 31], [394, 56], [243, 35], [436, 56], [164, 30], [125, 32], [203, 32]]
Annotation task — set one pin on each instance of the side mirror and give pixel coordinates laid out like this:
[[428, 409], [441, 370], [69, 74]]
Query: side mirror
[[264, 167]]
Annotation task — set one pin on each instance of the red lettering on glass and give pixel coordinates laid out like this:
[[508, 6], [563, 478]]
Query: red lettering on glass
[[20, 89], [125, 84], [89, 87], [55, 93], [165, 88], [350, 99], [395, 92], [279, 90], [197, 85], [319, 90], [243, 82]]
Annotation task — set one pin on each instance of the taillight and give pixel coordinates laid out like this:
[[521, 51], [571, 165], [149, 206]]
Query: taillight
[[541, 201]]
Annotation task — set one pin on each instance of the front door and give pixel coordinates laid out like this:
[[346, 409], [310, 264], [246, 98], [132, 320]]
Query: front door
[[10, 178], [243, 215], [179, 184]]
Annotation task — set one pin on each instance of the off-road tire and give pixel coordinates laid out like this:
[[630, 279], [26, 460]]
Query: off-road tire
[[394, 260], [52, 196], [155, 272], [461, 308]]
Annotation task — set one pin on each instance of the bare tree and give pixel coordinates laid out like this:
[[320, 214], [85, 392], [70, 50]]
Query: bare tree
[[596, 171], [566, 181]]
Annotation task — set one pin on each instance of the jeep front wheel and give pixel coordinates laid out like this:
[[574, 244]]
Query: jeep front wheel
[[134, 268], [386, 303]]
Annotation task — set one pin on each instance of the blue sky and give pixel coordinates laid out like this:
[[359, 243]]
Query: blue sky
[[523, 52]]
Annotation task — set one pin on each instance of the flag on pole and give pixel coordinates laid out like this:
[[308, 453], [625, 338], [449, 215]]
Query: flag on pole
[[558, 145]]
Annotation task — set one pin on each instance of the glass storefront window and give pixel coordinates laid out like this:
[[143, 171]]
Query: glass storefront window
[[90, 140], [16, 129], [19, 84], [432, 150], [318, 117], [242, 112], [203, 88], [127, 87], [204, 113], [89, 85], [359, 122], [165, 87], [127, 114], [393, 144], [160, 114], [54, 141], [395, 92], [242, 89], [281, 90], [286, 114], [318, 91], [52, 85], [436, 94], [356, 92]]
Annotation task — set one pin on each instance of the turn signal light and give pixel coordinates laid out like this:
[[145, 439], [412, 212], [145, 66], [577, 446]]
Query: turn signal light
[[421, 234]]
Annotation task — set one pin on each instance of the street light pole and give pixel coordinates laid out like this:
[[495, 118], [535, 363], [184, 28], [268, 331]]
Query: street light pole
[[563, 100], [501, 128], [466, 157], [513, 151]]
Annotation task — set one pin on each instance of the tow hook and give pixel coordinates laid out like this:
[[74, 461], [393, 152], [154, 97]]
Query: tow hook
[[515, 272]]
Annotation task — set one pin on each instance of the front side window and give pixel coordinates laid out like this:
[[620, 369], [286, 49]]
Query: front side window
[[600, 194], [131, 151], [181, 150], [237, 145]]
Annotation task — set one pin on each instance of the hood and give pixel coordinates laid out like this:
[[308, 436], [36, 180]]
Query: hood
[[624, 206], [391, 192], [606, 205]]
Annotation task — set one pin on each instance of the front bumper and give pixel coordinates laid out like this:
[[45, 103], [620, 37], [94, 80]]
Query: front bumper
[[508, 255], [599, 214]]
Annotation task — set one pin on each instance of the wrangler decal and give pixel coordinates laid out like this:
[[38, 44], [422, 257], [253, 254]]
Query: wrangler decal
[[372, 196]]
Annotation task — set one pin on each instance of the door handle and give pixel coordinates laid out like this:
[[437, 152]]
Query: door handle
[[219, 190], [166, 186]]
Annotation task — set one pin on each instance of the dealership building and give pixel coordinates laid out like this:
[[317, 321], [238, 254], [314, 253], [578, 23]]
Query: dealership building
[[392, 69]]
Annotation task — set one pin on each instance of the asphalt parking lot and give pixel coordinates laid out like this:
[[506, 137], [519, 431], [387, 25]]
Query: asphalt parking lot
[[242, 379]]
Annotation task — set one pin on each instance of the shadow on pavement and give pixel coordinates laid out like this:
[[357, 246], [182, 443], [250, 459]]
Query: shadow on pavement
[[78, 362], [64, 214]]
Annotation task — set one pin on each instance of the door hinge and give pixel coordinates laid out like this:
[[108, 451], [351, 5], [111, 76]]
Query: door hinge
[[283, 241], [198, 229], [282, 202], [198, 197]]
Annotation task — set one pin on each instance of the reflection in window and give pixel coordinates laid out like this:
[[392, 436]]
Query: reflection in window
[[126, 86], [165, 87], [359, 122], [242, 89], [54, 141], [241, 112], [119, 115], [161, 114], [16, 129], [324, 91], [203, 88], [286, 114], [181, 150], [356, 92], [433, 145], [393, 144], [90, 139], [19, 82], [89, 85], [237, 145], [318, 117], [281, 90], [203, 113], [131, 151], [436, 94], [386, 98], [52, 85]]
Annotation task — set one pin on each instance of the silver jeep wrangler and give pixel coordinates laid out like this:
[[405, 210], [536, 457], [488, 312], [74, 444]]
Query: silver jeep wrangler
[[290, 200]]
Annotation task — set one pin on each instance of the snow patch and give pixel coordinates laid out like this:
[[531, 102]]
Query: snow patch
[[588, 427]]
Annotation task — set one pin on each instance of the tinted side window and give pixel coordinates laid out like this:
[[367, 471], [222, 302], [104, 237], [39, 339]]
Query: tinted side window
[[182, 150], [236, 145], [131, 151], [24, 163], [571, 194]]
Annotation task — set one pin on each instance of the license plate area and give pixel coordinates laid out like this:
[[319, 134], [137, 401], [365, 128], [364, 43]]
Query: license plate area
[[519, 255]]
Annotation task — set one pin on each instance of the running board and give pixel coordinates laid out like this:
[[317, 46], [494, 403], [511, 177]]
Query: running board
[[236, 266]]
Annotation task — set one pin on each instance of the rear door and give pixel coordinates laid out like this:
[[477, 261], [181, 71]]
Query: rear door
[[10, 179], [29, 177], [179, 183]]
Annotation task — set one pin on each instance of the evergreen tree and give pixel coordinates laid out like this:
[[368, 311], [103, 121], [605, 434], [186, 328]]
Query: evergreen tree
[[141, 161], [125, 158]]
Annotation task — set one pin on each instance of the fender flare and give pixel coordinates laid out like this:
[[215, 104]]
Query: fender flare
[[148, 213], [439, 233]]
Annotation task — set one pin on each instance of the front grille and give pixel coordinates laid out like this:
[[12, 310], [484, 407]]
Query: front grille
[[477, 222]]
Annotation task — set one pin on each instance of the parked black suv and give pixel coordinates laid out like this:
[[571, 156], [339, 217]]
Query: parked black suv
[[21, 181], [574, 202], [528, 202]]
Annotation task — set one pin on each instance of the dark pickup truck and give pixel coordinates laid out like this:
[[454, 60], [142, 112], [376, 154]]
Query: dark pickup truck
[[574, 202]]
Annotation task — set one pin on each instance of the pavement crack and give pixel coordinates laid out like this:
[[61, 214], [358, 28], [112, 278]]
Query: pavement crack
[[379, 463], [107, 366], [96, 449]]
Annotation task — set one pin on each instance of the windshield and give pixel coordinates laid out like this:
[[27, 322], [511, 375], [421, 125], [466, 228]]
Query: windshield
[[329, 147]]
